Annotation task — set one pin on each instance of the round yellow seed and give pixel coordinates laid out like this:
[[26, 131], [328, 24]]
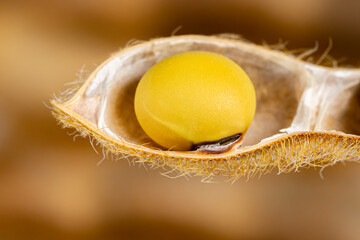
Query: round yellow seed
[[194, 97]]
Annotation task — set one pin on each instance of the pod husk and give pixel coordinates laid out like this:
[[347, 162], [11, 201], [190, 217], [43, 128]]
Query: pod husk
[[307, 115]]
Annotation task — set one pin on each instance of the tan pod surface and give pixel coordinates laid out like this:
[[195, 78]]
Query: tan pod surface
[[306, 116]]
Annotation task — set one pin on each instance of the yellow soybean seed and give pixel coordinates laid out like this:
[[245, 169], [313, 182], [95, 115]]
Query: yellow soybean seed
[[194, 97]]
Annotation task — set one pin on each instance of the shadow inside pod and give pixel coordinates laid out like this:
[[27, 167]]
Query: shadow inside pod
[[124, 121], [278, 92]]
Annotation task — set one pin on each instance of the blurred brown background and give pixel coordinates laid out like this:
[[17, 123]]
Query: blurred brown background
[[51, 187]]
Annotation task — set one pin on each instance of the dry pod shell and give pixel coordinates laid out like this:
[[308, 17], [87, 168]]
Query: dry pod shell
[[307, 115]]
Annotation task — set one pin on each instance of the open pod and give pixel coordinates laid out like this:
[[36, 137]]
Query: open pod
[[306, 115]]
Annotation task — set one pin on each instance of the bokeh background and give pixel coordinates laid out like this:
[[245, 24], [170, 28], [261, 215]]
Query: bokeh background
[[51, 186]]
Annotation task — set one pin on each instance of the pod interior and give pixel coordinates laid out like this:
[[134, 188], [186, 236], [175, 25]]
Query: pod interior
[[291, 95]]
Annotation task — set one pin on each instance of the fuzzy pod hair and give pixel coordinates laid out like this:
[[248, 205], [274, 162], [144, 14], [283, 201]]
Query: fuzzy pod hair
[[307, 115]]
